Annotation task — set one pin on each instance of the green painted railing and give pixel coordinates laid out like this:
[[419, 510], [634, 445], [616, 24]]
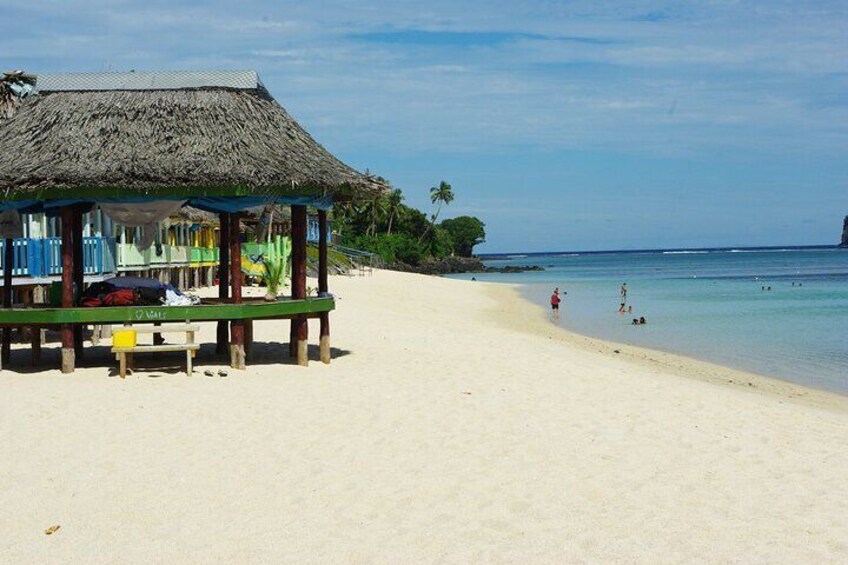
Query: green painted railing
[[160, 256], [131, 258], [179, 255], [43, 256], [209, 255]]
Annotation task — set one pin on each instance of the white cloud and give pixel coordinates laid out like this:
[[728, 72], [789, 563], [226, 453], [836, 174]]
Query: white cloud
[[656, 78]]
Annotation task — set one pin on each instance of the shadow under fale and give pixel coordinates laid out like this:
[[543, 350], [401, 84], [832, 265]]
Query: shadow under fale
[[170, 363]]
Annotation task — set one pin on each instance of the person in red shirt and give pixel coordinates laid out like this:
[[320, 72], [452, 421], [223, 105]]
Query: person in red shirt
[[555, 300]]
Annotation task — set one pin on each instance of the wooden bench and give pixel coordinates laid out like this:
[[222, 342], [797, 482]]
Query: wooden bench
[[124, 355]]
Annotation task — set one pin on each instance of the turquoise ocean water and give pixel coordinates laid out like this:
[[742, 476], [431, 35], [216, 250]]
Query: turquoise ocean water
[[708, 304]]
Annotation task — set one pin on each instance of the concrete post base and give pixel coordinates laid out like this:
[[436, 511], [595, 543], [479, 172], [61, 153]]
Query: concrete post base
[[237, 356], [68, 359], [302, 352], [324, 349]]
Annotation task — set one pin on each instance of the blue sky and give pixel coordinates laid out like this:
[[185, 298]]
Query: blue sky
[[562, 125]]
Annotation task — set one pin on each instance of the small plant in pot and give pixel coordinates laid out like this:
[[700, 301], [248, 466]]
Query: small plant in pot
[[273, 279]]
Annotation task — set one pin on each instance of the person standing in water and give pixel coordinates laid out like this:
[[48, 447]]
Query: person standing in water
[[623, 292], [555, 300]]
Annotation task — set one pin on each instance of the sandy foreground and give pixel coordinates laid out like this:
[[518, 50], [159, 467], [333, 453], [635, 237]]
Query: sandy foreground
[[456, 424]]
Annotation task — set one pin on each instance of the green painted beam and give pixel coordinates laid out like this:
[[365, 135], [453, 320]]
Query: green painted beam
[[141, 314]]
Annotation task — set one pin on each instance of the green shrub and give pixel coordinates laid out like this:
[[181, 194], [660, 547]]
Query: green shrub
[[397, 247]]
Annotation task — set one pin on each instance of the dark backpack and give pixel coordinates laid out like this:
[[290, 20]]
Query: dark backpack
[[98, 290], [150, 296]]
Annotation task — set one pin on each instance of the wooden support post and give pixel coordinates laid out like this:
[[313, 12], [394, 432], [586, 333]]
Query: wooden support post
[[223, 279], [236, 326], [67, 330], [8, 265], [79, 274], [298, 346], [323, 286]]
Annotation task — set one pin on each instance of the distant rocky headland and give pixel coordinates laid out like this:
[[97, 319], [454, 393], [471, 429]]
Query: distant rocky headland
[[844, 233], [453, 265]]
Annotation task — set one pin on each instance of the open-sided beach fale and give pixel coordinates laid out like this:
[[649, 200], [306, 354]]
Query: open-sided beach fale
[[150, 141]]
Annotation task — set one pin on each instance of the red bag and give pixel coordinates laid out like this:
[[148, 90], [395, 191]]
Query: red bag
[[122, 297], [92, 302]]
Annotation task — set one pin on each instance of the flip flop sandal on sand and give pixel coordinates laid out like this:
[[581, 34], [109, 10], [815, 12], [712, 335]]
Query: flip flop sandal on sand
[[222, 373], [208, 373]]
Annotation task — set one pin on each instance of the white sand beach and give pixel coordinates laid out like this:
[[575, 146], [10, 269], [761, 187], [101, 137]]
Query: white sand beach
[[456, 424]]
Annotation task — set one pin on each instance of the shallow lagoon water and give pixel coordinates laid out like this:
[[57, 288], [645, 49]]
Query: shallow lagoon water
[[709, 304]]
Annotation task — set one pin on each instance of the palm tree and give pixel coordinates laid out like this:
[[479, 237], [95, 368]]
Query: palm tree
[[377, 208], [443, 194], [394, 201], [14, 86]]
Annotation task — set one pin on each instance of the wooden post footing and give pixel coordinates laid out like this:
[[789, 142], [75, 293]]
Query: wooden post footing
[[237, 356], [324, 349], [68, 359]]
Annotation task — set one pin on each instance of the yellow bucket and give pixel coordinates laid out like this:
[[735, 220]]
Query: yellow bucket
[[124, 338]]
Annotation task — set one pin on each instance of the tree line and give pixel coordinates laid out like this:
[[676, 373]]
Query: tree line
[[402, 234]]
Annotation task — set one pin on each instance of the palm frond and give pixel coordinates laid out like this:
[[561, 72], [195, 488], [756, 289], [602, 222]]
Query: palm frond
[[14, 87]]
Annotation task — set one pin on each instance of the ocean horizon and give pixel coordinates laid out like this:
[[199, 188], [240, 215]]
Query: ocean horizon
[[779, 311], [667, 250]]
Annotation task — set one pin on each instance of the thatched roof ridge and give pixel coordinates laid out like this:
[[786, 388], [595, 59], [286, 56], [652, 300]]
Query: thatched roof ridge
[[180, 141], [150, 80]]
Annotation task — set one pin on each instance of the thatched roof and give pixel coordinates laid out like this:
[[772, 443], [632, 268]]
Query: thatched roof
[[192, 214], [249, 217], [211, 140], [280, 213]]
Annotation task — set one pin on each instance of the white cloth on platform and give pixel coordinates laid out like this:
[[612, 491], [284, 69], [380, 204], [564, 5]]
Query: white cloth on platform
[[174, 298], [144, 215]]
